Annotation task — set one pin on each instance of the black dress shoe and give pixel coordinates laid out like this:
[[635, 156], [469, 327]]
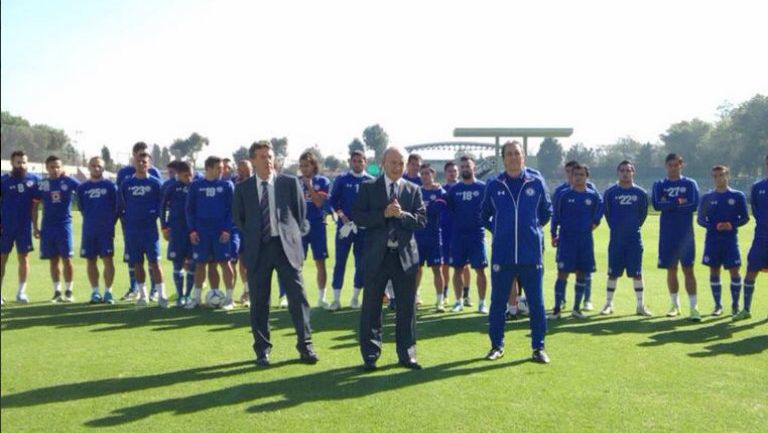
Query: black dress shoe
[[309, 358], [262, 360], [369, 365], [540, 356], [410, 364]]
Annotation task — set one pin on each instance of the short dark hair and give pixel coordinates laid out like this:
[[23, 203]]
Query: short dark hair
[[139, 146], [143, 155], [723, 168], [578, 166], [212, 161], [258, 145], [428, 167], [413, 156], [356, 152], [17, 153], [50, 159], [509, 143], [465, 158], [173, 165], [448, 164], [183, 167], [673, 157], [624, 162], [226, 160], [310, 157], [571, 163]]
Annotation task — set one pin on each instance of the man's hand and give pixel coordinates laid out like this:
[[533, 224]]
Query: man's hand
[[555, 241], [194, 238], [724, 227], [36, 232], [393, 210], [682, 200], [167, 234], [342, 217], [224, 237]]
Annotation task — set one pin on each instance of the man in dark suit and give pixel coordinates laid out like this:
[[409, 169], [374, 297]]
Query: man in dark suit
[[270, 211], [390, 209]]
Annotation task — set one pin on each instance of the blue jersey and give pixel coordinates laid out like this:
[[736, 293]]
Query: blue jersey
[[576, 212], [446, 221], [415, 179], [209, 206], [625, 211], [140, 203], [174, 206], [718, 207], [320, 184], [98, 204], [128, 171], [465, 203], [56, 195], [18, 195], [565, 186], [344, 192], [758, 198], [434, 202], [677, 200]]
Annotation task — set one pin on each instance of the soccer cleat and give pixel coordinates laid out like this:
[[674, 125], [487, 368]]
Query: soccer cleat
[[495, 353], [141, 302], [695, 316], [322, 304], [468, 302], [56, 297], [229, 305], [588, 306], [153, 297], [130, 295], [742, 315], [335, 306], [642, 310], [607, 310], [162, 302], [482, 308], [718, 311], [510, 315], [22, 298], [95, 298], [192, 303], [108, 299], [540, 356], [245, 298], [354, 304], [577, 314], [674, 311], [439, 308], [180, 301], [458, 306], [734, 310], [283, 302], [68, 297], [554, 315], [418, 300]]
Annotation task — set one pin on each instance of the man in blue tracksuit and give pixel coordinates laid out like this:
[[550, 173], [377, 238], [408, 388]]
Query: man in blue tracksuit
[[173, 220], [515, 207], [757, 260]]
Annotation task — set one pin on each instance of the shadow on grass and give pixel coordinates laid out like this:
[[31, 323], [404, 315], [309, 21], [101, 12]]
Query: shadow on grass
[[745, 347], [720, 330]]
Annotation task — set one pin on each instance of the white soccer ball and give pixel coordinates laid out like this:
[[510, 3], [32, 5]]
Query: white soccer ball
[[215, 298], [522, 305]]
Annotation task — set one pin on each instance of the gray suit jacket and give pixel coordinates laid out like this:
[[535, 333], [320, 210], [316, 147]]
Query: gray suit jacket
[[292, 221], [368, 212]]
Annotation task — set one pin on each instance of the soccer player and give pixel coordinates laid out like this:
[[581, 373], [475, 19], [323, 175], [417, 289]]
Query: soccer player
[[97, 198], [343, 196], [757, 259], [227, 172], [316, 188], [677, 197], [428, 238], [173, 220], [123, 174], [577, 213], [515, 208], [56, 193], [451, 174], [140, 207], [413, 169], [244, 171], [722, 211], [468, 237], [626, 208], [19, 205], [209, 219]]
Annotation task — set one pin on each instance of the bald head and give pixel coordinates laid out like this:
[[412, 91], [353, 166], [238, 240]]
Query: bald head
[[393, 161]]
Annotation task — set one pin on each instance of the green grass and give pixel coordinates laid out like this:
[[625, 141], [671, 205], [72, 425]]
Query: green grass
[[78, 367]]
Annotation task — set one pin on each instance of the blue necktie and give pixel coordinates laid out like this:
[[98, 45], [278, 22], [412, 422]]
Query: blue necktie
[[266, 227]]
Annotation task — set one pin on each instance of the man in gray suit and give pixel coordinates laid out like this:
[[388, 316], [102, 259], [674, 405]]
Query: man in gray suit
[[270, 211], [390, 209]]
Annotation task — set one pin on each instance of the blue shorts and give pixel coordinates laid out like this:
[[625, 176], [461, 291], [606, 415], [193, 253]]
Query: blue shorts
[[142, 243], [179, 246], [721, 251], [757, 260], [468, 249], [676, 250], [235, 246], [576, 253], [95, 244], [56, 242], [625, 255], [445, 246], [317, 239], [429, 251], [21, 236], [210, 248]]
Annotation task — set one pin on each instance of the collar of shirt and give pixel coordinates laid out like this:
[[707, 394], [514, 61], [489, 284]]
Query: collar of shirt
[[270, 180]]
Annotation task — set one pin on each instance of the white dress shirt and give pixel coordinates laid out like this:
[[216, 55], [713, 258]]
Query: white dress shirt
[[272, 207]]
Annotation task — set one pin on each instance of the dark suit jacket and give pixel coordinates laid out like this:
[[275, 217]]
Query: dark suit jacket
[[368, 213], [292, 221]]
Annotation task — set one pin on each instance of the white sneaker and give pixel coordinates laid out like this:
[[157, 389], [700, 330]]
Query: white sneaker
[[553, 316], [608, 309], [335, 306], [588, 306], [482, 308], [162, 302], [576, 314], [283, 302], [440, 307], [153, 297], [418, 300], [457, 306], [22, 298], [354, 304], [642, 310], [192, 303], [322, 304], [674, 311], [69, 297], [141, 302], [229, 305], [245, 299]]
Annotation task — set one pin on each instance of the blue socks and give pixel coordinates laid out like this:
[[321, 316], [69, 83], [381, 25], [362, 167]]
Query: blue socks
[[559, 294], [581, 288], [131, 278], [749, 289], [736, 293], [587, 287], [178, 279], [717, 291]]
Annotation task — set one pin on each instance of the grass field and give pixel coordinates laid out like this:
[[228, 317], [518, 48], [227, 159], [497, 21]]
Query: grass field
[[77, 367]]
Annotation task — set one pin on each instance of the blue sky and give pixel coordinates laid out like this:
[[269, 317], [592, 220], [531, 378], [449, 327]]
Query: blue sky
[[319, 72]]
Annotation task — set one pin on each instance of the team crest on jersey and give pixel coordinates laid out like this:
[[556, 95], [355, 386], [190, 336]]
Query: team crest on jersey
[[317, 187], [706, 259], [172, 254], [731, 201], [64, 187], [219, 189], [683, 189], [529, 192], [476, 193], [588, 202], [560, 265], [29, 184]]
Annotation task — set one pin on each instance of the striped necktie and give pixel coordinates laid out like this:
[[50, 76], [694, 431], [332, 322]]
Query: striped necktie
[[266, 227]]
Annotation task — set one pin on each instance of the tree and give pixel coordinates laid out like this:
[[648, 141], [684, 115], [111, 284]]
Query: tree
[[280, 147], [550, 157], [189, 148], [581, 153], [332, 163], [156, 155], [240, 154], [356, 144], [376, 139], [318, 153], [106, 155], [750, 130], [687, 139], [165, 156]]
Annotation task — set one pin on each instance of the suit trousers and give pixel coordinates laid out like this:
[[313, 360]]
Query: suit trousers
[[272, 258], [404, 285]]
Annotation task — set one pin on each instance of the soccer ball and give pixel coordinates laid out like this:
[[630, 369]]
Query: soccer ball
[[522, 305], [214, 298]]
